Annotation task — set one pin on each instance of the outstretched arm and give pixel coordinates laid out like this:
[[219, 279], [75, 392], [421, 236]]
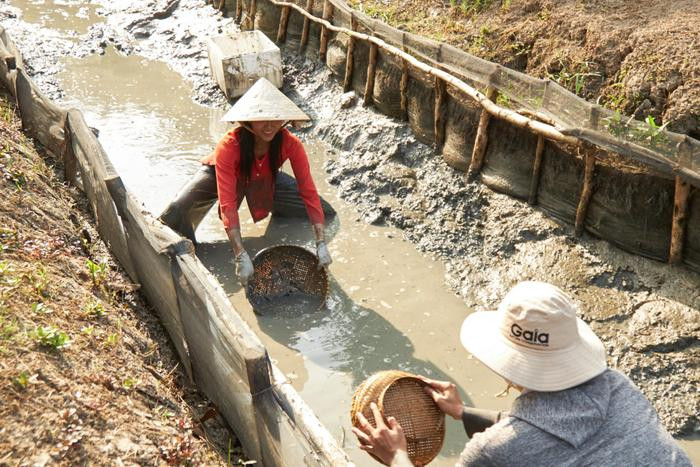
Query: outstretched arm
[[447, 399]]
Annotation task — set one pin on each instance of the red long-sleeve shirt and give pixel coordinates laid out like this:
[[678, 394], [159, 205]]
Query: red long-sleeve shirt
[[259, 191]]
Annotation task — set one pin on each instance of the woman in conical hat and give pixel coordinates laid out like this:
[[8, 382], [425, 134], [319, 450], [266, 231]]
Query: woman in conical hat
[[245, 164]]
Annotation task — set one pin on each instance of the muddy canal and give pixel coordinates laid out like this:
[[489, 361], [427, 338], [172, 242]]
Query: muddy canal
[[390, 306]]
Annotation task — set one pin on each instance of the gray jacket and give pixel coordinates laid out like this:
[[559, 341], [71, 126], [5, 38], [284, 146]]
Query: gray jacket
[[605, 421]]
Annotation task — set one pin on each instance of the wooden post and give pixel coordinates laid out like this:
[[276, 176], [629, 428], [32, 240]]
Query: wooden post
[[70, 164], [586, 192], [536, 169], [9, 59], [327, 14], [371, 68], [481, 139], [347, 80], [282, 29], [239, 10], [439, 115], [404, 89], [680, 216], [252, 12], [306, 27]]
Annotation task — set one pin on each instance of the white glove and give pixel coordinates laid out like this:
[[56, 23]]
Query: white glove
[[324, 258], [244, 267]]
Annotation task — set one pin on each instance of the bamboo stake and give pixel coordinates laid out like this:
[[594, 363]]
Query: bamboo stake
[[536, 169], [307, 25], [481, 139], [680, 217], [252, 12], [349, 57], [371, 69], [327, 14], [586, 192], [282, 29], [548, 131], [239, 10], [404, 89], [439, 116]]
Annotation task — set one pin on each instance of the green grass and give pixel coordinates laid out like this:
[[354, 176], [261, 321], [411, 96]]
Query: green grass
[[48, 336]]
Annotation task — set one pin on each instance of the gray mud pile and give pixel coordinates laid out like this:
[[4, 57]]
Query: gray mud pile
[[646, 312]]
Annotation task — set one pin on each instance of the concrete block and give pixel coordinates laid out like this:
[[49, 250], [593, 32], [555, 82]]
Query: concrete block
[[237, 61]]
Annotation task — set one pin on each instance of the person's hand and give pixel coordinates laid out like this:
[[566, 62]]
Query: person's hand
[[324, 257], [445, 396], [244, 267], [382, 441]]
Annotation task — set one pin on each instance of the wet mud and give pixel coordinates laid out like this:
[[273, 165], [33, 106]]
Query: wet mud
[[646, 312]]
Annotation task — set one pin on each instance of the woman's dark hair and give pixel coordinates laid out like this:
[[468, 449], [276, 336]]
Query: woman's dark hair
[[246, 140]]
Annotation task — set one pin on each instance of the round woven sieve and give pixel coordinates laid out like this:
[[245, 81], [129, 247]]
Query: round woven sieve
[[286, 281], [400, 395]]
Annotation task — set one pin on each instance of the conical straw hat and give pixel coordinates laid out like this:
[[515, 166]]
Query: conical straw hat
[[263, 101]]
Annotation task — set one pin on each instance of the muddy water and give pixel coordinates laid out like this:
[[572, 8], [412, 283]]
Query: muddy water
[[388, 306], [70, 16]]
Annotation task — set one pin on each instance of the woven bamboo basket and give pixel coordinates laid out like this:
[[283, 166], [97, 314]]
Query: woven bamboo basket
[[286, 280], [400, 395]]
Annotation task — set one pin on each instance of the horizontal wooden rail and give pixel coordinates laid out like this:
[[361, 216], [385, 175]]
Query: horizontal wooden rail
[[539, 128]]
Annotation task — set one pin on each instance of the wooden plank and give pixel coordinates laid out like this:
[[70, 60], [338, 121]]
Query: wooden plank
[[536, 170], [323, 41], [586, 192], [282, 29], [439, 113], [349, 57], [481, 139], [300, 414], [223, 348], [307, 25], [679, 221], [41, 118], [371, 69], [151, 245], [87, 155]]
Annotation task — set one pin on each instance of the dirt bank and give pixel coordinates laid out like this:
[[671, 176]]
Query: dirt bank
[[646, 312], [639, 57], [88, 372]]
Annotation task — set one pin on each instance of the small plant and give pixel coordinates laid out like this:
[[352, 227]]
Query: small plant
[[49, 336], [40, 281], [98, 271], [8, 328], [87, 330], [22, 380], [95, 309], [503, 100], [129, 383], [41, 309], [112, 339], [651, 134]]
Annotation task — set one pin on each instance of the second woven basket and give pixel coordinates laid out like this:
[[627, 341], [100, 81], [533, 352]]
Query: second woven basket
[[401, 395]]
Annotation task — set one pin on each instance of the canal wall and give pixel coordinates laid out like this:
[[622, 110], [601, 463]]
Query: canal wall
[[218, 350], [617, 178]]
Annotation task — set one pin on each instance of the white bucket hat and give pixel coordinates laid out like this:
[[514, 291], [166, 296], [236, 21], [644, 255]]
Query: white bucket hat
[[535, 340], [263, 101]]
